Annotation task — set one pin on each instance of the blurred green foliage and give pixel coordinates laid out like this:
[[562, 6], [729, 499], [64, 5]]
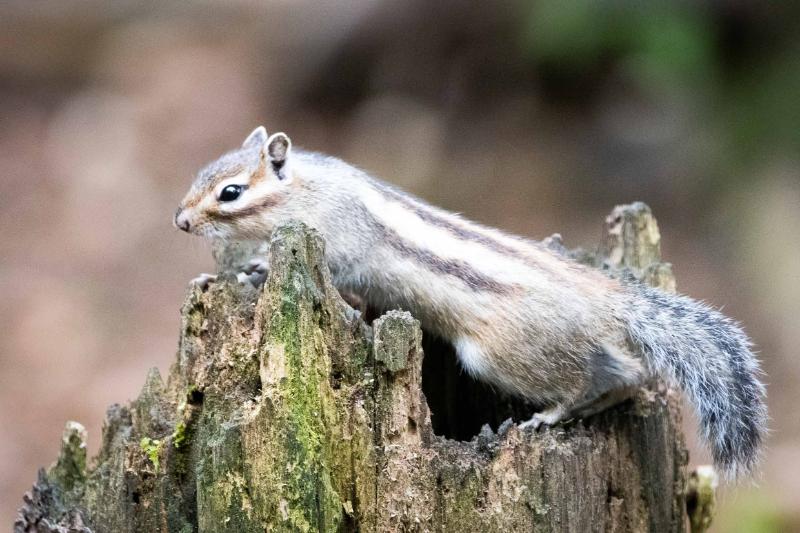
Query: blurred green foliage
[[661, 43], [737, 64], [754, 512]]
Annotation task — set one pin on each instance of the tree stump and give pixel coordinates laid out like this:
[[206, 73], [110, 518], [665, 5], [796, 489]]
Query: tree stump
[[285, 411]]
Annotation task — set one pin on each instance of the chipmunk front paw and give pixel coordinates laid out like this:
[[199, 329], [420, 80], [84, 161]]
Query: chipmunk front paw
[[255, 272], [203, 281]]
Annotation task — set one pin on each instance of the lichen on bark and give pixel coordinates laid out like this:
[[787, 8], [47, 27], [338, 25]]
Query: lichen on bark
[[285, 411]]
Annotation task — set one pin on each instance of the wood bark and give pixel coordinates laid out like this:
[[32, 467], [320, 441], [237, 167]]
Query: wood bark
[[285, 411]]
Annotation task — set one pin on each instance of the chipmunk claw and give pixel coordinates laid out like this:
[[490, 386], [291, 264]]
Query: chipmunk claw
[[203, 281], [257, 265], [548, 417], [254, 272]]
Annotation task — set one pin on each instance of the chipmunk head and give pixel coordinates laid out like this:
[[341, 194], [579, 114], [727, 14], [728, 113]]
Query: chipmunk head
[[239, 194]]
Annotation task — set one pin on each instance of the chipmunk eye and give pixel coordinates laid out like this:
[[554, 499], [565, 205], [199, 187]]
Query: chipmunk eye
[[230, 193]]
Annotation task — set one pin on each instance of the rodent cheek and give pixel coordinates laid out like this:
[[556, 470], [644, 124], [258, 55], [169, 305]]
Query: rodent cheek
[[204, 228], [199, 223]]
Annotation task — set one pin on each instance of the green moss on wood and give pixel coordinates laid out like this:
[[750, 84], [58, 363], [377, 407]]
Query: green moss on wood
[[152, 448], [69, 471]]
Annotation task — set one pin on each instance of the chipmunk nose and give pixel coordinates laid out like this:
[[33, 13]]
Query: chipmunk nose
[[181, 221]]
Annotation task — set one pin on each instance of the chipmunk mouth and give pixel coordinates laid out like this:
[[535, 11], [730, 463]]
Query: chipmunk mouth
[[211, 232], [185, 220], [204, 230], [180, 220]]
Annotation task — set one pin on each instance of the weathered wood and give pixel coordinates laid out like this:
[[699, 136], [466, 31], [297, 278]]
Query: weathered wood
[[286, 412]]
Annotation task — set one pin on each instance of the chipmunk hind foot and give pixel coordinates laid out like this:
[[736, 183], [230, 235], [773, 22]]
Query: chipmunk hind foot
[[615, 377]]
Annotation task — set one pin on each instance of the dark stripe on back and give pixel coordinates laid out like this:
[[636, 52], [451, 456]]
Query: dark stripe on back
[[451, 267], [459, 231]]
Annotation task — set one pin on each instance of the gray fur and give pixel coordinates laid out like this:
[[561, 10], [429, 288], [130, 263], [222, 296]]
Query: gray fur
[[227, 165], [709, 357], [522, 317]]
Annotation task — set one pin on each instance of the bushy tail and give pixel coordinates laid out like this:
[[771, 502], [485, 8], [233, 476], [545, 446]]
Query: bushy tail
[[708, 356]]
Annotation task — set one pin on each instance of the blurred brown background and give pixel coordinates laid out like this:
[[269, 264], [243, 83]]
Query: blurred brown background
[[535, 117]]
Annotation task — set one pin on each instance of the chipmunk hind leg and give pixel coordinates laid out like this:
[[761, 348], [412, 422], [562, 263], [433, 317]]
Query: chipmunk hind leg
[[255, 272], [614, 377], [475, 361]]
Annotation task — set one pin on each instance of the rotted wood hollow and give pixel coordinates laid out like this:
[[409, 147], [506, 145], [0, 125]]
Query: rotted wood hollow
[[286, 412]]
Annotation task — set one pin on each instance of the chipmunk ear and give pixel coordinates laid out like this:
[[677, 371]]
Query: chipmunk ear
[[257, 138], [277, 149]]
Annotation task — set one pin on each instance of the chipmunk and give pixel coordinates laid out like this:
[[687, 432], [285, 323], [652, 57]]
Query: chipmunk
[[521, 317]]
